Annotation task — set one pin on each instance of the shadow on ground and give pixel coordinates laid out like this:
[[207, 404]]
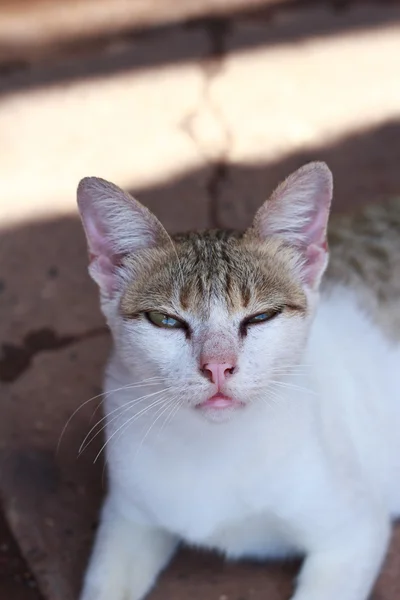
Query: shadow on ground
[[180, 43], [53, 348], [364, 164]]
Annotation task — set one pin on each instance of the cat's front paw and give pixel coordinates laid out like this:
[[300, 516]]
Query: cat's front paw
[[106, 592], [126, 559], [114, 586], [117, 581]]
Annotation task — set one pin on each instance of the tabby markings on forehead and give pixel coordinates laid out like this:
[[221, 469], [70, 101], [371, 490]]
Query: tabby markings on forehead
[[213, 266]]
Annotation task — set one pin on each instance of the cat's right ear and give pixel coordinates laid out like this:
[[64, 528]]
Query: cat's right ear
[[298, 212], [116, 225]]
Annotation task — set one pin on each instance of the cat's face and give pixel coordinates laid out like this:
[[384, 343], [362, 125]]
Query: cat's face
[[218, 317], [216, 314]]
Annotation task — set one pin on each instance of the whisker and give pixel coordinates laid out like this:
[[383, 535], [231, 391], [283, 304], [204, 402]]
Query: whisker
[[163, 410], [125, 406], [159, 405], [271, 395], [193, 383], [128, 422], [293, 386], [295, 370], [171, 415], [115, 418], [152, 381], [106, 394]]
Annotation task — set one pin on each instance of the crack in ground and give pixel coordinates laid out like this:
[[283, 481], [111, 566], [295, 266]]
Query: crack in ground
[[217, 29], [16, 359], [214, 184]]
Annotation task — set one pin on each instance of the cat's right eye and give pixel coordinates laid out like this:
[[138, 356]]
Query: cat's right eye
[[163, 320]]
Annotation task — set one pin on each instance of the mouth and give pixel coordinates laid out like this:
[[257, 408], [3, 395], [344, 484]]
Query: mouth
[[220, 402]]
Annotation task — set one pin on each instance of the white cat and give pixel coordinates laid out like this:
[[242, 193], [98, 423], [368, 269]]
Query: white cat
[[246, 413]]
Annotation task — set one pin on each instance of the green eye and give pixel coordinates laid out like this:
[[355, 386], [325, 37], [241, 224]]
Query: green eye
[[262, 317], [163, 320]]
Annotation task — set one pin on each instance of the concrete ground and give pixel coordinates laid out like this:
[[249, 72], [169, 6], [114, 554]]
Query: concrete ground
[[16, 580], [200, 119]]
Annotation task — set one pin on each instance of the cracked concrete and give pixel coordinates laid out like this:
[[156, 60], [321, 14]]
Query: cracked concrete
[[50, 496], [136, 144], [199, 121], [16, 359], [206, 126], [313, 127], [29, 28], [298, 102]]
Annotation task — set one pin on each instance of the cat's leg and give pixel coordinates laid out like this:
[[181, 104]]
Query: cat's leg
[[346, 565], [127, 558]]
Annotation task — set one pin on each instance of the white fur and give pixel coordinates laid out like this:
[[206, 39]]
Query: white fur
[[309, 466]]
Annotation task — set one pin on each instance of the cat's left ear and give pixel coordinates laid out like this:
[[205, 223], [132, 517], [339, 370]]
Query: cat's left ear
[[298, 212], [116, 225]]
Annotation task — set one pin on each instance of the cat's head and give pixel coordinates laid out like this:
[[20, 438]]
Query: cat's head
[[217, 316]]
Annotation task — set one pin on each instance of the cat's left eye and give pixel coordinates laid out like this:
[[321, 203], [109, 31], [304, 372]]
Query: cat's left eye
[[262, 317], [162, 320]]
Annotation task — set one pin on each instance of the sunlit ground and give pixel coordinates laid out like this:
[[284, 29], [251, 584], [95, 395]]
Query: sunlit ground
[[144, 126]]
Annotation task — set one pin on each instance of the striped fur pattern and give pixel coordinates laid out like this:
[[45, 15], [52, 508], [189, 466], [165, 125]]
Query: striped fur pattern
[[240, 272]]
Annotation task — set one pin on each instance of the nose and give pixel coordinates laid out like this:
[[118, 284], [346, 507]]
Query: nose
[[218, 372]]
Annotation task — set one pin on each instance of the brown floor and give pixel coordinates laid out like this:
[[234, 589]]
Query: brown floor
[[244, 102], [16, 581]]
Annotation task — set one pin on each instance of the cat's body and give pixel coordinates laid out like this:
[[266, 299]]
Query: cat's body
[[309, 462]]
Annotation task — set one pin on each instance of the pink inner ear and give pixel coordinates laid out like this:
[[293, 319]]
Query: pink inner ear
[[315, 262], [99, 244], [315, 230], [315, 246], [103, 259], [104, 273]]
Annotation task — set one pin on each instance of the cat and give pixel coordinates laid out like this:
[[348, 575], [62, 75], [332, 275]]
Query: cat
[[253, 399]]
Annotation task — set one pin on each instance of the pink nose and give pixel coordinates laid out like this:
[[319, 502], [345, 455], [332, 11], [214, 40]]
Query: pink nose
[[218, 372]]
